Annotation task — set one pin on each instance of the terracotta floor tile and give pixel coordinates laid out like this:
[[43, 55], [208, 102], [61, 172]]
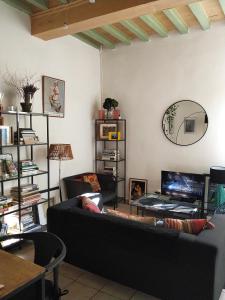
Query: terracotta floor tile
[[78, 291], [117, 290]]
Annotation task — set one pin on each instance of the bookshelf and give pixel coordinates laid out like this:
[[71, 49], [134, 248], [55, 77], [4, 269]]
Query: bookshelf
[[114, 162], [25, 196]]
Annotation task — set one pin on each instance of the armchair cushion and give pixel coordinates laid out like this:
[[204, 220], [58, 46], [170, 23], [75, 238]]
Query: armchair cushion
[[93, 180]]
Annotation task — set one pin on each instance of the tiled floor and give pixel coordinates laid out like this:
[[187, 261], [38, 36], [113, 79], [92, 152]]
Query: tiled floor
[[83, 285]]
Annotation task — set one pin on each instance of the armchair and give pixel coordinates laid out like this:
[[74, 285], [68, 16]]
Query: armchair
[[76, 186]]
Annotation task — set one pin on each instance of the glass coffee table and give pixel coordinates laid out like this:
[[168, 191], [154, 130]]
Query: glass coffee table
[[163, 207]]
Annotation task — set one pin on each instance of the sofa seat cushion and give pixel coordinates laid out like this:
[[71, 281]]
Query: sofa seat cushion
[[108, 196]]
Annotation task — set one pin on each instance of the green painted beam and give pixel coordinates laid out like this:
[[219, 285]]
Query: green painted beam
[[19, 5], [222, 4], [200, 14], [99, 38], [41, 4], [154, 23], [83, 38], [117, 34], [173, 15], [135, 29]]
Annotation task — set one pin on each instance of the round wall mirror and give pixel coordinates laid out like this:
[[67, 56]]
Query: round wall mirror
[[185, 122]]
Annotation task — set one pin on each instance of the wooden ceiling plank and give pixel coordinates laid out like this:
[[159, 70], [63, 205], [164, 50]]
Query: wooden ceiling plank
[[135, 29], [41, 4], [84, 39], [99, 38], [200, 14], [122, 37], [19, 5], [173, 15], [83, 16], [154, 23], [222, 4]]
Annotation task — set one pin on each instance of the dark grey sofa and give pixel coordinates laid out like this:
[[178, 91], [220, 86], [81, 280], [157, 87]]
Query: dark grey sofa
[[163, 263]]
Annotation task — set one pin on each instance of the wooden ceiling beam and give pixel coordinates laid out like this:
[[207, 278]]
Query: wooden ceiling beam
[[135, 29], [200, 14], [222, 4], [93, 34], [82, 16], [83, 38], [119, 35], [173, 15], [19, 5], [41, 4], [154, 23]]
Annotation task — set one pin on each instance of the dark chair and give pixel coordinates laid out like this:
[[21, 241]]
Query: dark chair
[[49, 251], [75, 186]]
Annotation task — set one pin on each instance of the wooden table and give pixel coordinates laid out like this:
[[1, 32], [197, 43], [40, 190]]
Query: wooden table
[[17, 273]]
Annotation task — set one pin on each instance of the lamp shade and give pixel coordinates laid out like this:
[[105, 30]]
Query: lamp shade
[[217, 175], [60, 152]]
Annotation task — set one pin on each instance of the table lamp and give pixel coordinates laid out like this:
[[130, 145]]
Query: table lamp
[[60, 152], [217, 175]]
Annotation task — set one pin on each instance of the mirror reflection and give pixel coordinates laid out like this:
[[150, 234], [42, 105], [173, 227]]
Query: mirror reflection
[[185, 122]]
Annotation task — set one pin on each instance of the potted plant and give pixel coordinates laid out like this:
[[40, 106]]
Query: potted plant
[[25, 88], [110, 104]]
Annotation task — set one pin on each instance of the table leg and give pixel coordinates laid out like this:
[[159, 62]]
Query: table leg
[[43, 288]]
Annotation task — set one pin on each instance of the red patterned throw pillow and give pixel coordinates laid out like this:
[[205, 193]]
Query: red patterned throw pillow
[[93, 180], [89, 205], [194, 226]]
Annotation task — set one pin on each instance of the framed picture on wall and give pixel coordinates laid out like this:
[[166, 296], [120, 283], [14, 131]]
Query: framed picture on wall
[[53, 95], [106, 129], [137, 188]]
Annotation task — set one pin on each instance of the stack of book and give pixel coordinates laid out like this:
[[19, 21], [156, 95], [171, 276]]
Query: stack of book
[[29, 194], [28, 223], [28, 167], [110, 154], [6, 203]]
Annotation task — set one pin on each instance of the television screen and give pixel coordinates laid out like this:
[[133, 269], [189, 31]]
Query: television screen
[[183, 185]]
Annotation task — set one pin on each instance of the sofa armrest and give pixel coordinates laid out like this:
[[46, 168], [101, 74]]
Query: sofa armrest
[[75, 188], [107, 182]]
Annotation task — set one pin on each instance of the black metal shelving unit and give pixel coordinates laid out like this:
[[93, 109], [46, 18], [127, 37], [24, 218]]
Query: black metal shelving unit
[[120, 144], [19, 207]]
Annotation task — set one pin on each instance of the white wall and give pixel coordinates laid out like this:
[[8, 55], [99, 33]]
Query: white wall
[[65, 58], [146, 78]]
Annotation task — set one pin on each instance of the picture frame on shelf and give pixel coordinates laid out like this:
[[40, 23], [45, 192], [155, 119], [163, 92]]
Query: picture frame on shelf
[[105, 129], [137, 188], [115, 136], [53, 96], [29, 138]]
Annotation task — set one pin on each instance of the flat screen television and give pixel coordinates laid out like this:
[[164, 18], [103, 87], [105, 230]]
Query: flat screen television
[[184, 186]]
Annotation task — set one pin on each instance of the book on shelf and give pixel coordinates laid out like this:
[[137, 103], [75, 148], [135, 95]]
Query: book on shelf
[[109, 170], [25, 187], [6, 135], [110, 154]]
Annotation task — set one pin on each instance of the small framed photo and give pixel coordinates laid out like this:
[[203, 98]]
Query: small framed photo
[[137, 188], [53, 93], [114, 136], [105, 129], [29, 138], [189, 125]]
